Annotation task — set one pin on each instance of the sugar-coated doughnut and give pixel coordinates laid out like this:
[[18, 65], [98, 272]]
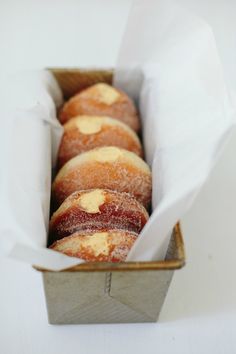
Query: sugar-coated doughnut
[[85, 133], [107, 168], [97, 246], [97, 209], [103, 100]]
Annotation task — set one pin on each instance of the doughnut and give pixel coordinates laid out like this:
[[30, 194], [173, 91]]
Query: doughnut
[[101, 100], [97, 246], [85, 133], [97, 209], [106, 168]]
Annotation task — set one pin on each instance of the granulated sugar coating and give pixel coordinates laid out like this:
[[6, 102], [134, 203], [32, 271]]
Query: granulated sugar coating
[[97, 209], [97, 246], [85, 133], [107, 168]]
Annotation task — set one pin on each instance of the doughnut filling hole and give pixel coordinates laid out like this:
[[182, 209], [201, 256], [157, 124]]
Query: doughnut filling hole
[[89, 126], [91, 201], [103, 93]]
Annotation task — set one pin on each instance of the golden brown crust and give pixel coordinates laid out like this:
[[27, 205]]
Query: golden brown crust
[[101, 100], [85, 133], [106, 168], [97, 209], [97, 246]]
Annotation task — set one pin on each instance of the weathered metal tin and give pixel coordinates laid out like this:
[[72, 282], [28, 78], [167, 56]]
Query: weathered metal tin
[[108, 292]]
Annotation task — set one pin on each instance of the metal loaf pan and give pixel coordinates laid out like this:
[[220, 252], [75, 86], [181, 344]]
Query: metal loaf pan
[[104, 292]]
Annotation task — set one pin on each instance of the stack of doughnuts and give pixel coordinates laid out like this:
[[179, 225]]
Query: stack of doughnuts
[[102, 189]]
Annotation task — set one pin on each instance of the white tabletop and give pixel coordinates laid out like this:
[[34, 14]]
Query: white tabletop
[[199, 314]]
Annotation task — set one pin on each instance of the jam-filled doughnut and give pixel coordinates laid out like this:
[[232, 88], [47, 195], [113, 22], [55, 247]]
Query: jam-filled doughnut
[[97, 246], [107, 168], [85, 133], [97, 209], [101, 99]]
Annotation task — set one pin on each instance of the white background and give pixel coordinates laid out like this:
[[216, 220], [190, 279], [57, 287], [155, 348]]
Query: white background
[[199, 314]]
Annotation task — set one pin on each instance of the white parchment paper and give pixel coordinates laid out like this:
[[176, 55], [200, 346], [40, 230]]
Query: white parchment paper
[[30, 134], [169, 64]]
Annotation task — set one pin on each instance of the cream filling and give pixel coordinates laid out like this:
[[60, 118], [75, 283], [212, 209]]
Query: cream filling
[[89, 125], [105, 93], [106, 154], [91, 201], [98, 242]]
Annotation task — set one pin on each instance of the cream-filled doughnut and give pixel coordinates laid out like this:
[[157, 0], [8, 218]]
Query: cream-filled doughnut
[[101, 99], [97, 246], [97, 209], [85, 133], [106, 168]]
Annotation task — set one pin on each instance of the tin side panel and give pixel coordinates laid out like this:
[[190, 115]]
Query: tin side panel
[[99, 297], [142, 291], [71, 295]]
